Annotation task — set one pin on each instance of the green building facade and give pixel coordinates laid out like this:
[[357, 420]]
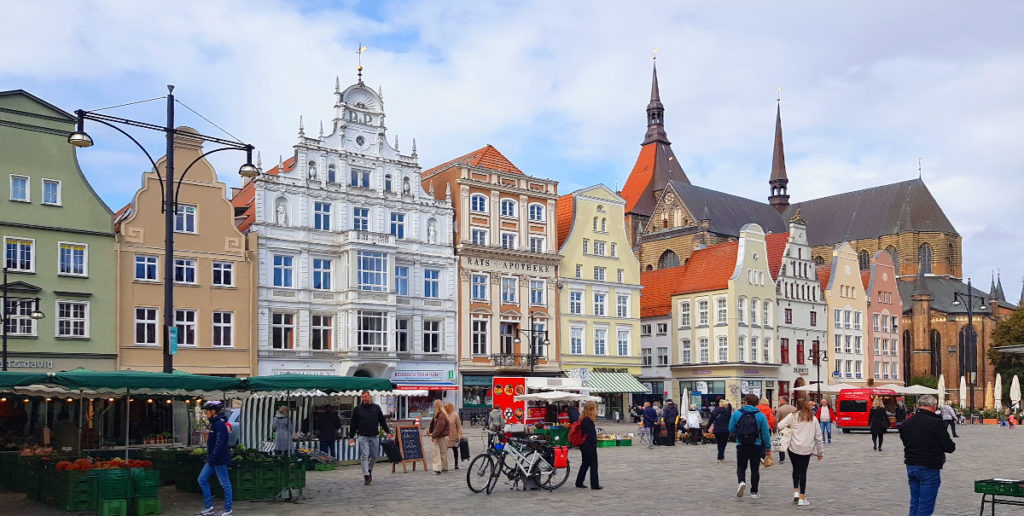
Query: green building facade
[[58, 244]]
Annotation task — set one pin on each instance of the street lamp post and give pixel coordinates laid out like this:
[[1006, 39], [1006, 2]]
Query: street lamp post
[[970, 361], [5, 316], [170, 188], [534, 334], [818, 355]]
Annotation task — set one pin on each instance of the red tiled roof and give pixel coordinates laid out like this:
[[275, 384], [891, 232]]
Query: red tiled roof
[[244, 198], [775, 243], [824, 273], [639, 177], [563, 217], [709, 269], [119, 215], [484, 157], [289, 165], [659, 285]]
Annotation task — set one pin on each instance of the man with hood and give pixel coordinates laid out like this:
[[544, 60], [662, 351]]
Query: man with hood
[[670, 414], [218, 456], [364, 429]]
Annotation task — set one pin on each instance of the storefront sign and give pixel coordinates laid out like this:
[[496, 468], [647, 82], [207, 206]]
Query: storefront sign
[[804, 371], [428, 375], [751, 371], [703, 372], [427, 387], [311, 372], [506, 265], [701, 386], [477, 380], [611, 369], [30, 364]]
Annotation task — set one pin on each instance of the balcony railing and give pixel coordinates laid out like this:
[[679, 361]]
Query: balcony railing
[[514, 360]]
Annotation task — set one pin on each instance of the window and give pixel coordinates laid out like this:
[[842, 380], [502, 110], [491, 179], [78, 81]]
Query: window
[[586, 246], [361, 219], [614, 248], [332, 174], [620, 276], [398, 225], [599, 273], [480, 336], [784, 351], [19, 255], [537, 292], [599, 302], [622, 306], [576, 343], [600, 335], [766, 351], [741, 309], [322, 216], [579, 270], [51, 192], [184, 270], [401, 280], [223, 329], [741, 349], [839, 344], [623, 345], [19, 188], [72, 259], [885, 323], [509, 288], [431, 283], [537, 212], [145, 326], [508, 208], [185, 321], [838, 318], [753, 311], [856, 344], [72, 319], [684, 314], [507, 337], [766, 313], [846, 318], [645, 357], [508, 240], [857, 368], [223, 273], [875, 321], [595, 223], [856, 320], [479, 282], [847, 344], [536, 244], [662, 356], [789, 315], [924, 258], [19, 322], [321, 274], [722, 315], [387, 183], [371, 331], [359, 177], [431, 336], [372, 269], [816, 350], [895, 375], [723, 349], [478, 236], [645, 330], [800, 357], [687, 353], [814, 318], [702, 312], [185, 219], [877, 348], [282, 270], [478, 203], [753, 349], [282, 331], [604, 225], [662, 328], [599, 247], [576, 303], [402, 335], [145, 267], [704, 351]]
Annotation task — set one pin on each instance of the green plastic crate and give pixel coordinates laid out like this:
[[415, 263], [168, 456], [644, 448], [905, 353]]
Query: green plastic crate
[[111, 484], [625, 442], [1000, 487], [112, 507], [610, 443], [145, 483], [296, 475], [145, 506]]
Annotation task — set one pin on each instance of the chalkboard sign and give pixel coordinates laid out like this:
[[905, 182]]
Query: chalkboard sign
[[411, 447]]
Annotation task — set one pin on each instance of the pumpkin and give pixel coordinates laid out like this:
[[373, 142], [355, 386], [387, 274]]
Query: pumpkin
[[63, 465]]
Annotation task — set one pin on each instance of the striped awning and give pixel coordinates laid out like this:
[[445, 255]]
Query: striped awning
[[615, 382]]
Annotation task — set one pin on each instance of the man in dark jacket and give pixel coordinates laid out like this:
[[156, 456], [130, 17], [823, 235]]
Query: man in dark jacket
[[670, 415], [218, 456], [650, 417], [574, 413], [364, 428], [329, 424], [925, 445]]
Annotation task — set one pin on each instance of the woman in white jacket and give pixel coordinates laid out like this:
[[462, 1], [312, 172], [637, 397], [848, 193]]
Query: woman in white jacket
[[803, 432], [693, 424]]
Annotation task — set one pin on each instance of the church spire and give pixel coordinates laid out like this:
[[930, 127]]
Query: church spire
[[779, 198], [655, 114]]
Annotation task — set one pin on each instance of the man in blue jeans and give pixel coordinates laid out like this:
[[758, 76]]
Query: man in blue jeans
[[925, 445], [218, 456]]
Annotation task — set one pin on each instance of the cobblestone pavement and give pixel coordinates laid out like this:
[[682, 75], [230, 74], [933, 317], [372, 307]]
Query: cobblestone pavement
[[852, 480]]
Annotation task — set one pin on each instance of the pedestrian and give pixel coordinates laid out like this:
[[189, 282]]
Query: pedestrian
[[495, 420], [364, 429], [825, 416], [901, 413], [718, 424], [671, 416], [284, 429], [455, 430], [751, 429], [439, 430], [803, 439], [878, 421], [1012, 419], [949, 418], [693, 424], [218, 456], [925, 445], [574, 413], [784, 409], [589, 447], [769, 414], [328, 427], [650, 417]]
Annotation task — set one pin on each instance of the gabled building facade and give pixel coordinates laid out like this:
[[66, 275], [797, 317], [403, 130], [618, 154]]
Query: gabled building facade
[[58, 244], [214, 274], [843, 286], [657, 349], [884, 311]]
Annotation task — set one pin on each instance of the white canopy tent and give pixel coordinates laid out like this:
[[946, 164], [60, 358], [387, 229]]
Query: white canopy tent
[[831, 389], [556, 396], [918, 390]]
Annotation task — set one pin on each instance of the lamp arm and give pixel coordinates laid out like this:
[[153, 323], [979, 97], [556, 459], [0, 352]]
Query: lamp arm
[[159, 178], [181, 178]]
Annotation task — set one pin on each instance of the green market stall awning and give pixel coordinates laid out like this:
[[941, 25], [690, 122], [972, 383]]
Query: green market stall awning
[[327, 384], [615, 382], [12, 379], [179, 383]]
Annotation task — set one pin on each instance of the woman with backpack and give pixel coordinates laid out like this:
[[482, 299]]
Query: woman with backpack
[[804, 439], [751, 429], [589, 447]]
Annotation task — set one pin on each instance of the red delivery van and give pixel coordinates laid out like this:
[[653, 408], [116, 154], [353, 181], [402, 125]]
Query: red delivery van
[[854, 405]]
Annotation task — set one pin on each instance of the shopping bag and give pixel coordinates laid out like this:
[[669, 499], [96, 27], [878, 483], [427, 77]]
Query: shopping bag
[[464, 448]]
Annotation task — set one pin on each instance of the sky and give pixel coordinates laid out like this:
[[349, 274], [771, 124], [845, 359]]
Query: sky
[[868, 87]]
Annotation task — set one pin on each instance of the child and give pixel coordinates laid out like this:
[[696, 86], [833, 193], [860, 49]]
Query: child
[[1013, 420]]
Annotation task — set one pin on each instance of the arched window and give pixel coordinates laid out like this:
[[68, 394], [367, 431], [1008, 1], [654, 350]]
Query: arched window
[[935, 352], [537, 212], [895, 256], [908, 344], [387, 182], [509, 208], [863, 260], [478, 203], [595, 223], [967, 363], [650, 267], [819, 261], [668, 259], [924, 258], [332, 174], [604, 225]]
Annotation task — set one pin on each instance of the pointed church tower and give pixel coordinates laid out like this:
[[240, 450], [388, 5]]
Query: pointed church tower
[[655, 114], [779, 199]]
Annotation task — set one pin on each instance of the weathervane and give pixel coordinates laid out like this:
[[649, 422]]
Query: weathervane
[[655, 53], [778, 94], [359, 53]]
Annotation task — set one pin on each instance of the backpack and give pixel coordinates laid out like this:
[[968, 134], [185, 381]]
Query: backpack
[[576, 437], [746, 428]]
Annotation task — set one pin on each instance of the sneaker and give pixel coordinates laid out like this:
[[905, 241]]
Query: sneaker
[[225, 513], [207, 511], [796, 496], [740, 489], [803, 501], [755, 495]]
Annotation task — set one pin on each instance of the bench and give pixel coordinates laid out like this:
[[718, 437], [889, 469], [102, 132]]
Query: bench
[[994, 487]]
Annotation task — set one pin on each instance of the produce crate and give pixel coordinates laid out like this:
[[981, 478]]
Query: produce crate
[[606, 443], [296, 475], [145, 483], [111, 484], [8, 465], [625, 442], [113, 507], [1000, 487], [145, 506], [72, 491], [324, 467]]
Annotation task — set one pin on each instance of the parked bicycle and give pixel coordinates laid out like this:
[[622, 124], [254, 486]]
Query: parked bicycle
[[520, 461]]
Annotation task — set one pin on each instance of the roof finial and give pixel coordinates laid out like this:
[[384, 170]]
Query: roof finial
[[302, 132], [414, 147], [920, 172], [654, 55], [778, 94], [337, 84], [362, 48], [321, 128], [259, 161], [280, 163], [396, 142]]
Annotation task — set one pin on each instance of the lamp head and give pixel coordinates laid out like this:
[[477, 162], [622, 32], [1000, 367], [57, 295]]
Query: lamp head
[[79, 138], [36, 314], [547, 342], [956, 301], [517, 340], [248, 170]]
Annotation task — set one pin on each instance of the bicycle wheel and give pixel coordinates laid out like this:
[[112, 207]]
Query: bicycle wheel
[[550, 477], [479, 473], [498, 468]]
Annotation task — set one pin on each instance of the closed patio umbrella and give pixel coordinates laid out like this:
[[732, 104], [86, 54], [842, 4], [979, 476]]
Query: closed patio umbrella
[[1015, 392], [999, 392], [942, 389], [963, 392]]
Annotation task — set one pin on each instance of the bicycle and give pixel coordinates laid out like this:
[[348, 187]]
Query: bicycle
[[531, 459]]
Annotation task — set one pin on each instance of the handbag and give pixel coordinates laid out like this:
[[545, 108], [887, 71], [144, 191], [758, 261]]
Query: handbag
[[769, 461], [464, 448]]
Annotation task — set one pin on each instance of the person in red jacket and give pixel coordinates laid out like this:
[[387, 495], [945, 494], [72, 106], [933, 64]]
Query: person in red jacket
[[825, 416], [766, 409]]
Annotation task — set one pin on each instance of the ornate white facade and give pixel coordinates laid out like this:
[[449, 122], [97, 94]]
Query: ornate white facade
[[357, 273]]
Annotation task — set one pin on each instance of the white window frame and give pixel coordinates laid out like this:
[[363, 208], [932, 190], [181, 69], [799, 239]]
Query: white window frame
[[703, 312], [431, 283], [184, 264], [479, 287], [705, 350], [686, 351], [741, 307], [684, 314], [509, 240], [479, 236], [645, 330], [539, 209], [374, 278], [576, 344], [322, 273], [322, 326], [480, 335], [508, 213], [599, 273], [579, 270], [283, 323], [600, 303], [646, 357], [322, 216], [153, 321], [753, 350], [576, 302], [741, 348], [432, 332], [402, 280], [662, 328], [599, 247], [148, 260], [402, 326], [226, 269], [601, 341], [20, 242], [398, 225], [183, 322], [623, 344], [485, 203], [183, 215], [28, 188], [360, 218], [622, 306], [721, 310], [85, 259], [60, 195], [71, 320], [509, 290], [537, 244], [286, 269], [766, 350], [538, 291], [222, 321]]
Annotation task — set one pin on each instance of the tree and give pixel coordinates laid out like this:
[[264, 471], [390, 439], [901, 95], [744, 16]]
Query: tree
[[927, 381], [1008, 332]]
